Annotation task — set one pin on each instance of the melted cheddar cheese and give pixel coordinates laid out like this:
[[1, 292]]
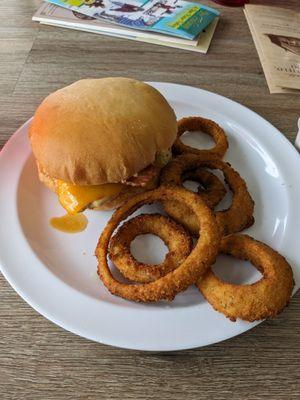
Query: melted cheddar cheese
[[70, 223], [75, 198]]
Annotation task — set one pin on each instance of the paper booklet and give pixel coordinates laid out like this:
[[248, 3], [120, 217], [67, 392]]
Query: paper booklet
[[50, 14], [276, 34], [178, 18]]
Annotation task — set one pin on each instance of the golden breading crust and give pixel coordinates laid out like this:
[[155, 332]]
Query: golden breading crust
[[196, 264], [205, 125], [263, 299], [213, 192], [174, 236], [211, 189], [237, 217]]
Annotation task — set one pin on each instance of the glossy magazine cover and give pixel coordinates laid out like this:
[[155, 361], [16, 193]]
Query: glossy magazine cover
[[173, 17]]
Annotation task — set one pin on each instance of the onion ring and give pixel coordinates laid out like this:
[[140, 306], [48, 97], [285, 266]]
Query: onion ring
[[214, 190], [237, 217], [174, 236], [263, 299], [206, 125], [200, 259]]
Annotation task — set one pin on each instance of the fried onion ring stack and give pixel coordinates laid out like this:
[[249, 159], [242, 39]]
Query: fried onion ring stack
[[187, 273], [216, 232], [174, 236], [237, 217]]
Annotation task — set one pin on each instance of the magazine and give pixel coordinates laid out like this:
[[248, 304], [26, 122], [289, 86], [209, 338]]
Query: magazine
[[171, 17], [276, 34], [50, 14]]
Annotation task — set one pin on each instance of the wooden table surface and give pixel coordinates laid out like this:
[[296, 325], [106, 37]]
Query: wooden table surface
[[39, 360]]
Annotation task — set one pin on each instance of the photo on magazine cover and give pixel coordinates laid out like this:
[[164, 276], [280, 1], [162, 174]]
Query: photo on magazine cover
[[174, 17], [287, 43]]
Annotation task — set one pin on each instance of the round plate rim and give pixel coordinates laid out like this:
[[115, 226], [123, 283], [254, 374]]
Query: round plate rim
[[114, 342]]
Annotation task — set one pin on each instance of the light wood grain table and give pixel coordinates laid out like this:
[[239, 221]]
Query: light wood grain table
[[39, 360]]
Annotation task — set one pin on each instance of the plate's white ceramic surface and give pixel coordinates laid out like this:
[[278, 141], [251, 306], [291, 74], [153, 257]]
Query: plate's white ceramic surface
[[56, 272]]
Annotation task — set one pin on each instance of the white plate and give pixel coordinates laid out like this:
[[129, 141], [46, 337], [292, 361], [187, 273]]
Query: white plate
[[56, 272]]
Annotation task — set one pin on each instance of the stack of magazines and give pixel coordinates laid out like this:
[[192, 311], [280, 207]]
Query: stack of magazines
[[276, 34], [174, 23]]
